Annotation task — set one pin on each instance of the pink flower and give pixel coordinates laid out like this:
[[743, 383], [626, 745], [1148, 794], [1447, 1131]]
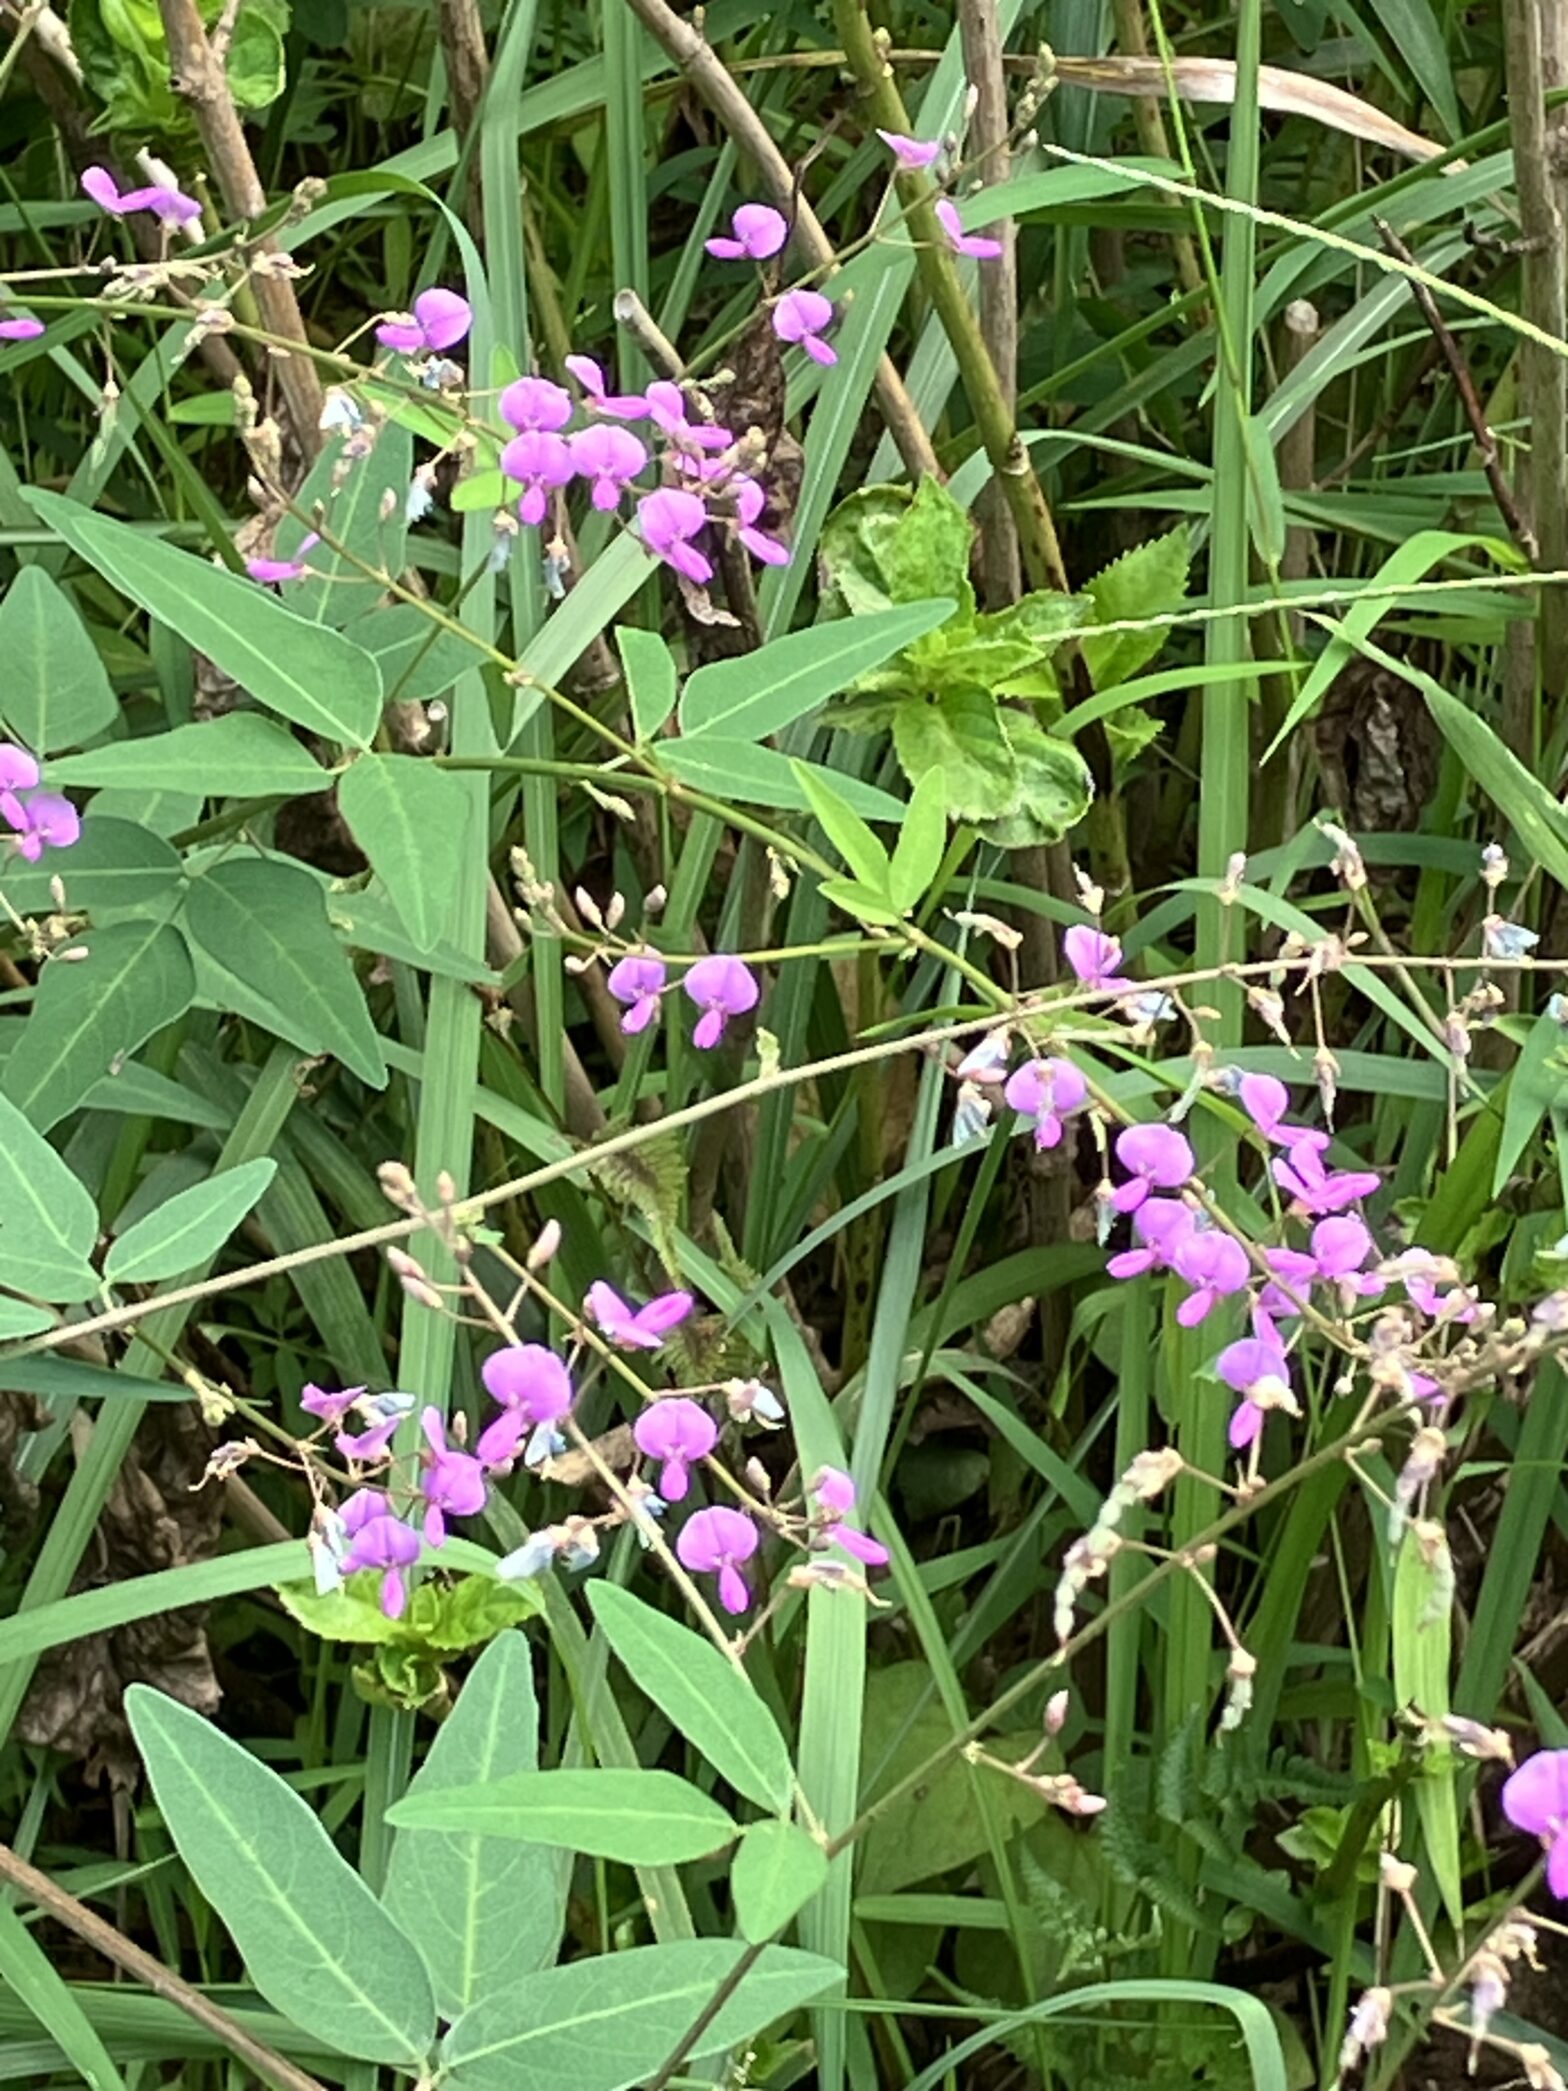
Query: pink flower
[[1214, 1264], [452, 1483], [1301, 1174], [47, 821], [1535, 1799], [835, 1494], [1260, 1373], [1159, 1225], [535, 404], [1157, 1158], [1046, 1091], [1340, 1249], [1265, 1100], [440, 320], [760, 231], [642, 1329], [382, 1541], [801, 317], [667, 406], [529, 1378], [714, 1542], [750, 500], [620, 406], [961, 242], [1095, 958], [272, 571], [721, 987], [331, 1408], [637, 983], [22, 328], [678, 1432], [911, 153], [610, 457], [539, 462], [167, 205], [669, 520]]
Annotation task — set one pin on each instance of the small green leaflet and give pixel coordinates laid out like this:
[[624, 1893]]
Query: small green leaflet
[[315, 1941], [17, 1318], [759, 776], [240, 756], [761, 693], [649, 668], [918, 855], [844, 828], [643, 1818], [56, 690], [1423, 1628], [411, 820], [775, 1873], [306, 672], [188, 1229], [48, 1222]]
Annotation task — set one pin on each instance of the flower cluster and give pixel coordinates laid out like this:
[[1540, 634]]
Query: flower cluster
[[720, 987], [38, 820]]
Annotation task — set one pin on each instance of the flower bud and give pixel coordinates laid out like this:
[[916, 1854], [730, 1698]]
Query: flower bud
[[547, 1241], [1056, 1711]]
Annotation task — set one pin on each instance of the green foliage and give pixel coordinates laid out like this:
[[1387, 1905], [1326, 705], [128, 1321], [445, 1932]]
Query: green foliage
[[183, 1232], [639, 1817], [125, 59]]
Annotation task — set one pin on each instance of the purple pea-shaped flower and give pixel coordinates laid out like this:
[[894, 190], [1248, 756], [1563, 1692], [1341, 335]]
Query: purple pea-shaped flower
[[721, 987], [642, 1328], [759, 232], [1156, 1157], [637, 983], [1046, 1091], [716, 1542], [439, 321], [677, 1432], [1535, 1799]]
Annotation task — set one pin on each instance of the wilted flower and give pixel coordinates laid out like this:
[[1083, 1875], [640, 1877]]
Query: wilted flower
[[835, 1494], [279, 570], [643, 1328], [1368, 2026], [749, 1401], [759, 232], [1535, 1799], [1046, 1091], [168, 205], [721, 987], [678, 1432], [975, 245], [715, 1542], [802, 317], [440, 320]]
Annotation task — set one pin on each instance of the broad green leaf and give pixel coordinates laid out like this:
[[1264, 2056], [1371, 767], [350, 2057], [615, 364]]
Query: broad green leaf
[[189, 1228], [929, 552], [48, 1222], [165, 813], [708, 1701], [852, 549], [761, 693], [1423, 1627], [114, 864], [844, 828], [17, 1318], [262, 930], [314, 1939], [419, 659], [334, 588], [369, 922], [641, 1818], [468, 1613], [90, 1012], [1143, 582], [55, 692], [1538, 1081], [649, 668], [484, 1910], [1055, 787], [776, 1871], [310, 674], [960, 735], [759, 776], [865, 903], [609, 2023], [352, 1614], [918, 855], [411, 820], [240, 756]]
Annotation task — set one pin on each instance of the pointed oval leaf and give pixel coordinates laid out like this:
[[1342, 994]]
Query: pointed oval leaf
[[335, 586], [484, 1910], [57, 691], [316, 1942], [761, 693], [759, 776], [776, 1871], [90, 1012], [17, 1318], [48, 1222], [649, 668], [411, 820], [918, 855], [715, 1706], [114, 864], [609, 2023], [264, 938], [419, 658], [189, 1227], [240, 756], [844, 828], [641, 1818], [307, 672]]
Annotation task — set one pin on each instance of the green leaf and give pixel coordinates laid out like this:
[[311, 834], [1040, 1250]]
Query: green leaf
[[852, 549], [1423, 1627], [649, 668], [17, 1318], [411, 820], [241, 756], [929, 552], [775, 1873], [640, 1818], [1143, 582], [484, 1910], [961, 735], [1265, 500], [844, 828], [708, 1701], [89, 1013], [188, 1228], [1055, 787], [262, 931], [759, 776], [352, 1614], [418, 658], [918, 856], [760, 693], [48, 1222], [334, 588], [315, 1941], [608, 2023], [311, 675], [56, 691], [1538, 1081], [471, 1611], [865, 903], [114, 864]]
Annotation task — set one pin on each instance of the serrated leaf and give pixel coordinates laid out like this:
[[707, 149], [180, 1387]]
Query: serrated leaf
[[484, 1911], [651, 682], [775, 1873], [48, 1222], [335, 588], [314, 1939], [240, 756], [641, 1818], [1149, 579], [759, 776], [187, 1229], [89, 1013], [761, 693], [56, 691], [1055, 787], [411, 820], [918, 854], [114, 863], [262, 930], [306, 672], [352, 1614], [961, 735], [710, 1702], [844, 828]]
